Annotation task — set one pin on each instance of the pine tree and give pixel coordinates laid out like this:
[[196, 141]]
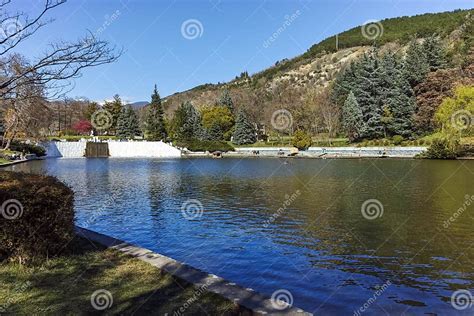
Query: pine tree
[[154, 122], [127, 123], [244, 130], [352, 118], [226, 100], [435, 54], [415, 65]]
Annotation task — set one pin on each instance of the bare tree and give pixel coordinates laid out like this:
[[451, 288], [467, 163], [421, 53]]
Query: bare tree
[[329, 112], [61, 61], [26, 85]]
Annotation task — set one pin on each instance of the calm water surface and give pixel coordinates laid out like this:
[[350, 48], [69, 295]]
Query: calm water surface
[[296, 226]]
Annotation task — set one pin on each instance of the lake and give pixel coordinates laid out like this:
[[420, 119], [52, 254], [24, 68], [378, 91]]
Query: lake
[[336, 234]]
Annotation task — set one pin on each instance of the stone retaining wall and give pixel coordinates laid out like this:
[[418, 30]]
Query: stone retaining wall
[[340, 152], [247, 298]]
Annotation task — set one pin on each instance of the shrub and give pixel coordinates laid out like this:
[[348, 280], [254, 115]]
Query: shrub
[[301, 140], [28, 148], [36, 218], [206, 145], [397, 140], [442, 148]]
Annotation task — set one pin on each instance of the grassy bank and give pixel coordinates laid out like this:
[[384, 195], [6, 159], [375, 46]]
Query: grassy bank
[[64, 285]]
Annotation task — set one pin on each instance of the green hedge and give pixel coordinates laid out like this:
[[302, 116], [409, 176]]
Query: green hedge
[[36, 216], [206, 145]]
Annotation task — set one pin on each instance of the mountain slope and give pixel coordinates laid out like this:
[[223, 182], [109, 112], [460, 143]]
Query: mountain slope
[[288, 82]]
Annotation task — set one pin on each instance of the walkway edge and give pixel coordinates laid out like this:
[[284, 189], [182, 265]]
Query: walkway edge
[[248, 298]]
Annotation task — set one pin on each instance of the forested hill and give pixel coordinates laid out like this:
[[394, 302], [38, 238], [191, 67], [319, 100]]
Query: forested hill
[[318, 67]]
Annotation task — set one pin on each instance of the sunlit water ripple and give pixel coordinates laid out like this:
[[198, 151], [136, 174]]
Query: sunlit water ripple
[[319, 247]]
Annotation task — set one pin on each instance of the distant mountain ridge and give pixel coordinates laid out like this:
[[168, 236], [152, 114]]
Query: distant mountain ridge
[[139, 104]]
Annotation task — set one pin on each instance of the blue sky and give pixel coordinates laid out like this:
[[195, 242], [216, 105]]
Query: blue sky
[[230, 40]]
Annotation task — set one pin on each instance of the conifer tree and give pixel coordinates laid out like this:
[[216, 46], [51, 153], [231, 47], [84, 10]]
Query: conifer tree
[[244, 130], [114, 107], [369, 95], [215, 133], [352, 118], [191, 127], [127, 123], [344, 84], [154, 121], [435, 54], [398, 99], [226, 100], [415, 65]]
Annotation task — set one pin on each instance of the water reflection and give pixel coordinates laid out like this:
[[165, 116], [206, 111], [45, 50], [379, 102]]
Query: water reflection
[[319, 246]]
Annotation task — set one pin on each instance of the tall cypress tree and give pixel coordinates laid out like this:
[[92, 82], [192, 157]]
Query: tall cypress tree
[[127, 123], [352, 118], [244, 130], [154, 122]]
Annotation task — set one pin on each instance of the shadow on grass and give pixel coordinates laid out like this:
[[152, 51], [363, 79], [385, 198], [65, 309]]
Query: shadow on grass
[[66, 283]]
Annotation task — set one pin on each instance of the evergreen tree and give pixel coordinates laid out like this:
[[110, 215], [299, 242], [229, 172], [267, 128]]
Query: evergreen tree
[[244, 130], [154, 121], [344, 84], [352, 118], [435, 54], [190, 123], [398, 98], [215, 133], [226, 100], [369, 95], [127, 123], [415, 65], [114, 107]]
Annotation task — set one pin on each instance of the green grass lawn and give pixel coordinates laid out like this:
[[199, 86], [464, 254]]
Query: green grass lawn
[[64, 285]]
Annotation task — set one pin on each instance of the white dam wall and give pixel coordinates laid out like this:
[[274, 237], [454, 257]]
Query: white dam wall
[[116, 149]]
